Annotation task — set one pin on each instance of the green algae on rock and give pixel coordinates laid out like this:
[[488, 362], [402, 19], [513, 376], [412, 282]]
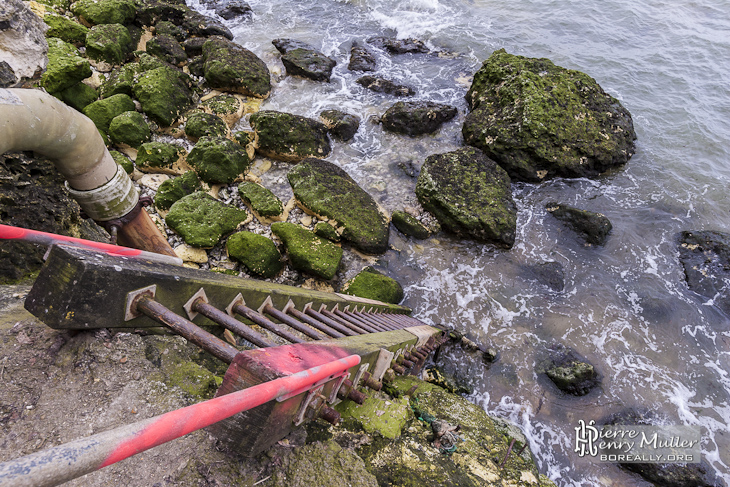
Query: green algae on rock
[[409, 225], [129, 128], [384, 416], [65, 29], [288, 137], [260, 200], [325, 230], [371, 284], [120, 80], [569, 371], [65, 68], [160, 157], [104, 11], [470, 195], [591, 226], [326, 190], [78, 96], [417, 117], [201, 220], [201, 124], [538, 120], [102, 112], [123, 161], [218, 160], [109, 42], [164, 93], [167, 48], [258, 253], [173, 189], [308, 252], [309, 64], [231, 67]]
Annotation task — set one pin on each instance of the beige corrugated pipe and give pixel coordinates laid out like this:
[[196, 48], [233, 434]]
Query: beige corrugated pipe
[[32, 120]]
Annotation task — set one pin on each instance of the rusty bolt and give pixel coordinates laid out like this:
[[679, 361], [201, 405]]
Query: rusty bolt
[[352, 393], [398, 369], [371, 382], [329, 415]]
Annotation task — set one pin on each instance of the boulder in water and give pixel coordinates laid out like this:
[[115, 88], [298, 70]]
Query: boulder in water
[[570, 372], [470, 195], [341, 125], [538, 120], [303, 60], [705, 256], [417, 117], [591, 226], [361, 59], [399, 46], [382, 85]]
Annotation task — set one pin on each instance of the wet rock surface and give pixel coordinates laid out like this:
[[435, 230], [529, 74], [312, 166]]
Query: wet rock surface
[[218, 160], [399, 46], [590, 226], [538, 120], [328, 191], [383, 85], [570, 372], [288, 137], [361, 58], [417, 117], [409, 225], [470, 195], [705, 257], [371, 284], [343, 126]]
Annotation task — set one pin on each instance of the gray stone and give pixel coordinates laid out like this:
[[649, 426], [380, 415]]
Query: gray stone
[[417, 117], [399, 46], [382, 85], [23, 43], [361, 58], [591, 226]]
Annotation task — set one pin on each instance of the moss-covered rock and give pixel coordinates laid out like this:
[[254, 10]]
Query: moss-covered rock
[[260, 200], [538, 120], [173, 189], [109, 42], [65, 29], [229, 108], [409, 225], [201, 124], [120, 80], [78, 96], [167, 48], [325, 230], [123, 161], [416, 117], [218, 160], [160, 157], [289, 137], [258, 253], [167, 28], [371, 284], [341, 125], [150, 12], [591, 226], [322, 464], [231, 67], [148, 62], [129, 128], [102, 112], [201, 220], [705, 257], [470, 195], [65, 68], [104, 11], [308, 252], [384, 415], [164, 93], [326, 190], [196, 24]]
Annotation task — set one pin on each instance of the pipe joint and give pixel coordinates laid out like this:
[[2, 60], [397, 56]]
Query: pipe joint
[[110, 201]]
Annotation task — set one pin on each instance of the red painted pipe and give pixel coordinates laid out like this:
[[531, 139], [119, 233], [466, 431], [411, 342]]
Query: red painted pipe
[[42, 238], [65, 462]]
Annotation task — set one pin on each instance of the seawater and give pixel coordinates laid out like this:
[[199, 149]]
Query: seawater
[[625, 306]]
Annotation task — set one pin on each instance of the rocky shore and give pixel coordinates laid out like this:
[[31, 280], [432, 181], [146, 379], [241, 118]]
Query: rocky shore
[[179, 104]]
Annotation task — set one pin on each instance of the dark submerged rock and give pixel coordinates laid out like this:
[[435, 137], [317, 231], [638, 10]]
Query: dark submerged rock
[[570, 372], [592, 227], [301, 59], [340, 125], [285, 45], [361, 58], [371, 284], [409, 225], [538, 120], [549, 274], [699, 474], [231, 67], [308, 252], [382, 85], [326, 190], [470, 195], [289, 137], [197, 24], [705, 257], [399, 46], [417, 117]]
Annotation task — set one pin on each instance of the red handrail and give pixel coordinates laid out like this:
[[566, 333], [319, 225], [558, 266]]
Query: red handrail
[[65, 462]]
